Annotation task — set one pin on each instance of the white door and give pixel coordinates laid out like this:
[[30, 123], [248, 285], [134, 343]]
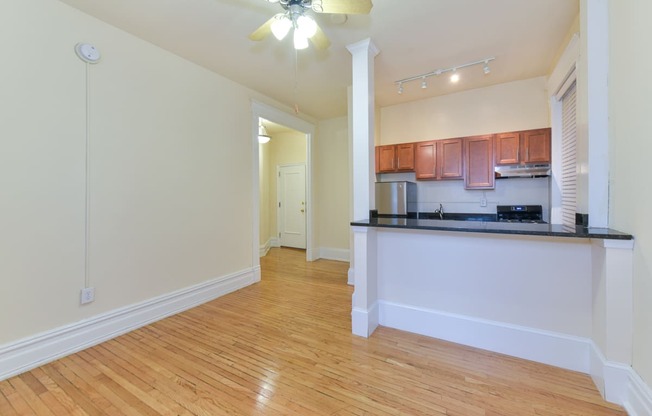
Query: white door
[[292, 205]]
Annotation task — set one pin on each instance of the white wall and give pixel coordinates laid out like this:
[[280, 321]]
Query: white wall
[[332, 153], [263, 185], [512, 106], [170, 170], [466, 274], [630, 89]]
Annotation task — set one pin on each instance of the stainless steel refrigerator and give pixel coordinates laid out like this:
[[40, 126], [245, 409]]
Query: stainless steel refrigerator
[[396, 198]]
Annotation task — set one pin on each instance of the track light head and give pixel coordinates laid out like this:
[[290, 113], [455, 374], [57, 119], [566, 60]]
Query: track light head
[[400, 88], [424, 84], [485, 68]]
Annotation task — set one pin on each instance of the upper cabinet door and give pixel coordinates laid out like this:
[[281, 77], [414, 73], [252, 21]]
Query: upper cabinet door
[[537, 146], [426, 160], [386, 159], [479, 155], [405, 157], [508, 148], [450, 163]]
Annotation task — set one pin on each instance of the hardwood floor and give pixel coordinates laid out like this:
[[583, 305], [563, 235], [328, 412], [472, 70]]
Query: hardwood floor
[[284, 347]]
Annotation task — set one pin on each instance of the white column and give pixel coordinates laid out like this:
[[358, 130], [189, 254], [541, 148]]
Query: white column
[[364, 315], [612, 315], [364, 310], [363, 174], [597, 84]]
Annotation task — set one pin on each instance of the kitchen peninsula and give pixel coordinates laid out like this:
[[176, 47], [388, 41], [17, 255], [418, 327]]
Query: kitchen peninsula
[[535, 291]]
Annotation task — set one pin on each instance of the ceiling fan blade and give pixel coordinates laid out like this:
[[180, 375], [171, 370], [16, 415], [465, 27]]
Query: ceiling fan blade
[[342, 6], [264, 30], [320, 40]]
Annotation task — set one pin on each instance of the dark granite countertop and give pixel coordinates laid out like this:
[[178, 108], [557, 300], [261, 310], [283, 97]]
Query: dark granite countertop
[[549, 230]]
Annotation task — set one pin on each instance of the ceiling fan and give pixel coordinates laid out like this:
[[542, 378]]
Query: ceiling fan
[[303, 25]]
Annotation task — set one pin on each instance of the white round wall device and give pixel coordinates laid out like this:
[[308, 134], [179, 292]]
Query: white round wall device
[[87, 53]]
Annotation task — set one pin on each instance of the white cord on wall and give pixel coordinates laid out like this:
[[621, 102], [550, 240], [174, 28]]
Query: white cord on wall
[[87, 214], [90, 55]]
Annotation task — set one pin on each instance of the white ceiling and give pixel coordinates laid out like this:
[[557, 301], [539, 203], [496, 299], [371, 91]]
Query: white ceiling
[[414, 37]]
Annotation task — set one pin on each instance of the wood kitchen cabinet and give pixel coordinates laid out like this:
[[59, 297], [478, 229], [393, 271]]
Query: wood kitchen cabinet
[[529, 146], [479, 162], [395, 158], [439, 159]]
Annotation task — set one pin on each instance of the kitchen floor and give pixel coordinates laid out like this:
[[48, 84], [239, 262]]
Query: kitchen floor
[[284, 347]]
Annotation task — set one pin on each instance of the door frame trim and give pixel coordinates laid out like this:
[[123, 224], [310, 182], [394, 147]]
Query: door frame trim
[[278, 197], [261, 110]]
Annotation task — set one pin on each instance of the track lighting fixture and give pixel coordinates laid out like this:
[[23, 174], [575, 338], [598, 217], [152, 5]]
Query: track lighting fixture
[[455, 76]]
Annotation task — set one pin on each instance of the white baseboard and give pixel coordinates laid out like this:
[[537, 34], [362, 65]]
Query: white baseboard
[[611, 378], [545, 347], [338, 254], [638, 401], [264, 248], [24, 355], [351, 278], [620, 384], [364, 322]]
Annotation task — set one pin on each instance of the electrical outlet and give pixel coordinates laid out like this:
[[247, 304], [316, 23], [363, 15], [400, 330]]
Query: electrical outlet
[[87, 295], [483, 202]]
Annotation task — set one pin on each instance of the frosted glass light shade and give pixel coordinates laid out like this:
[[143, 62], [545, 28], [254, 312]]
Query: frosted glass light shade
[[281, 26], [300, 41], [263, 137], [307, 26]]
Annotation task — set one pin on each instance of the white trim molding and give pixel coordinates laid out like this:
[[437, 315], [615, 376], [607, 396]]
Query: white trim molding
[[338, 254], [24, 355], [546, 347], [620, 384], [638, 401], [264, 248]]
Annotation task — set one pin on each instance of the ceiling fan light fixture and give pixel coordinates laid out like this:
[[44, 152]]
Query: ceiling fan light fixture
[[307, 26], [281, 26], [300, 40]]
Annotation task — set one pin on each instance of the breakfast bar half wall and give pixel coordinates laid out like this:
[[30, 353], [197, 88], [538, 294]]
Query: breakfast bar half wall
[[563, 299]]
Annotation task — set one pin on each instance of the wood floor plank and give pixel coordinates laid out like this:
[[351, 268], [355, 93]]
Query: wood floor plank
[[284, 347]]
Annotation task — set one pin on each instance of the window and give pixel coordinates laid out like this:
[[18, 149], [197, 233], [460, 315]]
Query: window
[[569, 157]]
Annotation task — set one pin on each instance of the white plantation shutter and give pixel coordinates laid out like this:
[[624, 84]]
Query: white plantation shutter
[[569, 157]]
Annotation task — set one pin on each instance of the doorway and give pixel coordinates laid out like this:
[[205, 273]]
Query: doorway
[[264, 111]]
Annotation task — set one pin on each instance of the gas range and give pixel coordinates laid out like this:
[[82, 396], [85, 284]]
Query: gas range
[[532, 214]]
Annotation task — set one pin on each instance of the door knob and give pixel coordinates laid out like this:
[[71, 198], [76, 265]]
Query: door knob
[[302, 210]]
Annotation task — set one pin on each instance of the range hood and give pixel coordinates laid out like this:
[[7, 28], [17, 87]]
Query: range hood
[[523, 171]]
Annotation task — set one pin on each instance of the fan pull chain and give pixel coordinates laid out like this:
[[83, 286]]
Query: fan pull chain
[[296, 81]]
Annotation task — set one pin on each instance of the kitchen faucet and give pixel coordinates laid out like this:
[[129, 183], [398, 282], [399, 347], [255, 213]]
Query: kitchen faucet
[[440, 211]]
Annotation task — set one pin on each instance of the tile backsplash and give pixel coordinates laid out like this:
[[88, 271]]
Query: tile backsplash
[[454, 198]]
